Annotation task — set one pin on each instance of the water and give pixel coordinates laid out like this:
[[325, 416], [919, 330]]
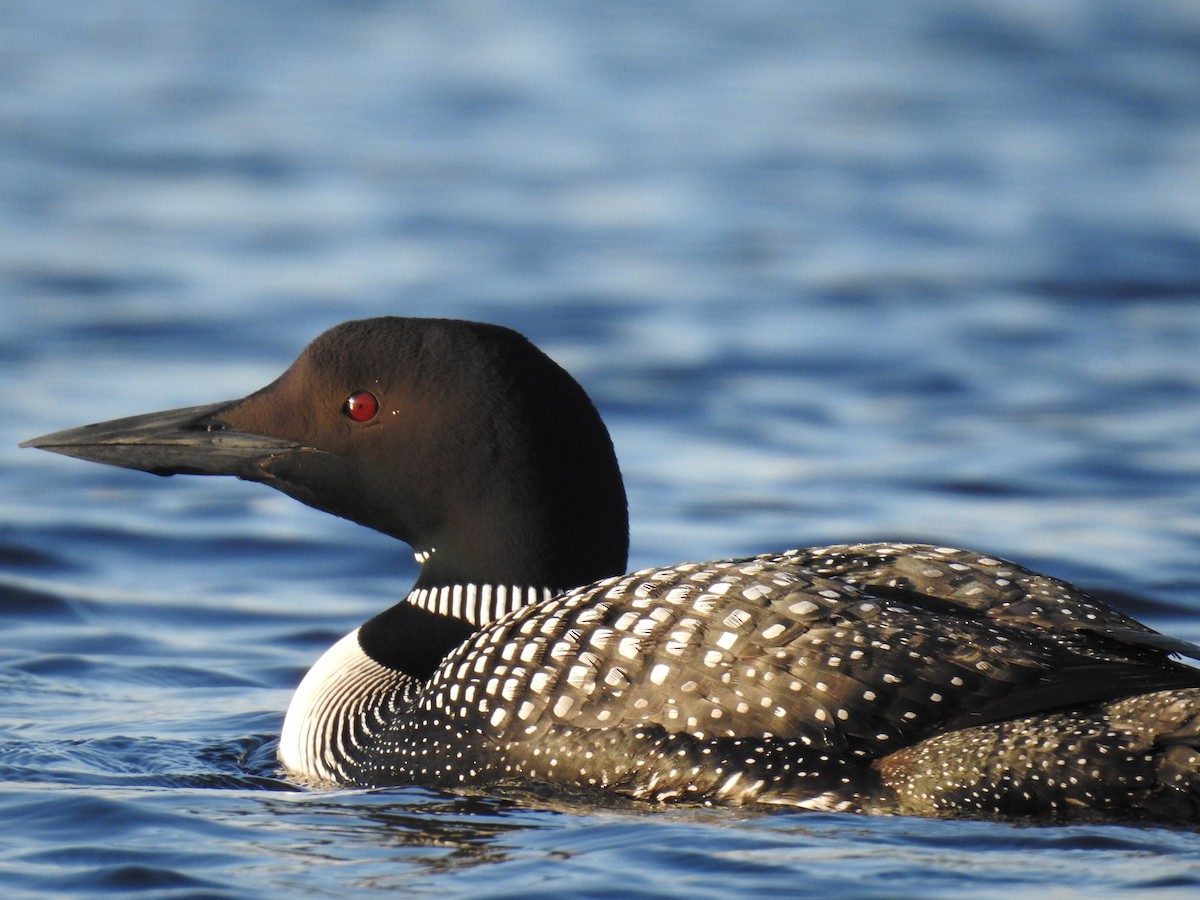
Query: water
[[832, 271]]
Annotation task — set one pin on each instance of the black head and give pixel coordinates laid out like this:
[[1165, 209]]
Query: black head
[[462, 439]]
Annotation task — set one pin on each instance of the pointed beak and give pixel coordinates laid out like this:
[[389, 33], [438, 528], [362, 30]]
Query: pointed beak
[[190, 441]]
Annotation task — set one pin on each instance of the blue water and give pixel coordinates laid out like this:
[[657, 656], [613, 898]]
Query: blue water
[[831, 270]]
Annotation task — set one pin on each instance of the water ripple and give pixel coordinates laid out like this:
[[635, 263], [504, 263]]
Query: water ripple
[[831, 272]]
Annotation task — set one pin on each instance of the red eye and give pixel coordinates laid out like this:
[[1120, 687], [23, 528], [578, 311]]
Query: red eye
[[361, 406]]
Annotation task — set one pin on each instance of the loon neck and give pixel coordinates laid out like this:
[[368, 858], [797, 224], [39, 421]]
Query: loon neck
[[416, 634], [476, 604]]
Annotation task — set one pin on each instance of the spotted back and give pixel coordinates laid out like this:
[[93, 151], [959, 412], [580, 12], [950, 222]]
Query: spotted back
[[753, 647]]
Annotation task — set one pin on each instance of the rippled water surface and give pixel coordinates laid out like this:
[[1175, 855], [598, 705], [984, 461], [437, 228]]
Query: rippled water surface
[[831, 271]]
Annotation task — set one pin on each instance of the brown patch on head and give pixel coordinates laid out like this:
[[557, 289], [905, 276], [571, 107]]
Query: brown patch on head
[[307, 403]]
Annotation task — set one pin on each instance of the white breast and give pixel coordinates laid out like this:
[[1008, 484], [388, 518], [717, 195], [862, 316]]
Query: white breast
[[340, 705]]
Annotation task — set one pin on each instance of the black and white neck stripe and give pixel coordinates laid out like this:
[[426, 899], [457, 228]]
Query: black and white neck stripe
[[477, 604]]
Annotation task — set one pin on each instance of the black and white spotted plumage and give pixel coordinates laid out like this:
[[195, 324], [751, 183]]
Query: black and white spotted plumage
[[797, 679], [894, 678]]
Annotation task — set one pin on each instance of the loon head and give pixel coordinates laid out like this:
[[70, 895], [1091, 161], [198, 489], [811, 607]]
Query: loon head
[[461, 439]]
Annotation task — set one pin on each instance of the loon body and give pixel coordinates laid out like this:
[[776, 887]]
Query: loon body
[[889, 678]]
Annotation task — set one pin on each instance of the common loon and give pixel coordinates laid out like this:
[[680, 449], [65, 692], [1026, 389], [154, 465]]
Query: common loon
[[881, 677]]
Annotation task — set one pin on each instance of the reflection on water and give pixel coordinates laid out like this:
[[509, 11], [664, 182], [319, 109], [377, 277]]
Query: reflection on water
[[831, 272]]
